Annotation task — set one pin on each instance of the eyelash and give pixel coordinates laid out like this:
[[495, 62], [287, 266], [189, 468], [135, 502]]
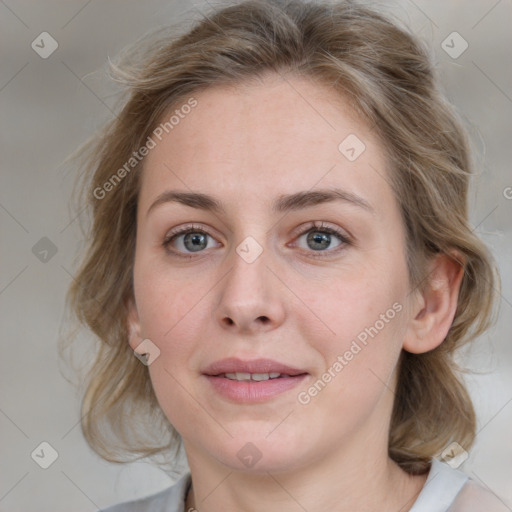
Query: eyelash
[[321, 227]]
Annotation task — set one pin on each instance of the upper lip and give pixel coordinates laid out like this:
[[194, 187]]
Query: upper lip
[[234, 365]]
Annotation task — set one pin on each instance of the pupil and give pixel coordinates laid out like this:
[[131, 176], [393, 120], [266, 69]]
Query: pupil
[[198, 241], [323, 239]]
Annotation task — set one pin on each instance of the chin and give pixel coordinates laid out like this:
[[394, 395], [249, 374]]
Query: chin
[[256, 454]]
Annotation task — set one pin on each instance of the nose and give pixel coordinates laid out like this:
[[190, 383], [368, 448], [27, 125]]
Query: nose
[[250, 298]]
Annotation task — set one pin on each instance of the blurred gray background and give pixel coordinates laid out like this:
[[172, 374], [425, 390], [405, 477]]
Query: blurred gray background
[[50, 105]]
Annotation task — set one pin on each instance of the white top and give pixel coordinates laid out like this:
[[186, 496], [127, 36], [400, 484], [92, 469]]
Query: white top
[[445, 490]]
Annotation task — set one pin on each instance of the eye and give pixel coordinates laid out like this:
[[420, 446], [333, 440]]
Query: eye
[[187, 240], [320, 238]]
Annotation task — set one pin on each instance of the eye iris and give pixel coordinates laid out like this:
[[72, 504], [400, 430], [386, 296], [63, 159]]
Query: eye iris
[[198, 241], [317, 237]]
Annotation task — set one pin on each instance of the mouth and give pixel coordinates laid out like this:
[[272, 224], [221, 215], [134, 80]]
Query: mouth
[[258, 377], [252, 381]]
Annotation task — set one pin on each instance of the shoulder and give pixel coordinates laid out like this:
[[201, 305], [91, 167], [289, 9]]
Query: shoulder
[[450, 490], [476, 498], [171, 499]]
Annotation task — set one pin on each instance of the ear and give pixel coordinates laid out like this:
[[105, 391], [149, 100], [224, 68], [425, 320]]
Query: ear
[[134, 329], [434, 308]]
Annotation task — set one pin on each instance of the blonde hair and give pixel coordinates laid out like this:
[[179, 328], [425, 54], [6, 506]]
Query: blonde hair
[[388, 78]]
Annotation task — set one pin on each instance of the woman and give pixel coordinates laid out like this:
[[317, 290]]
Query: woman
[[280, 235]]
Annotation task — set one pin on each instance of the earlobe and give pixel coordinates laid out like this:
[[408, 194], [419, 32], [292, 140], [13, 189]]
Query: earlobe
[[436, 305]]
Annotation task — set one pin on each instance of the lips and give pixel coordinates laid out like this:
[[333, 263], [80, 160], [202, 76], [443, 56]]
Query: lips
[[256, 366], [252, 381]]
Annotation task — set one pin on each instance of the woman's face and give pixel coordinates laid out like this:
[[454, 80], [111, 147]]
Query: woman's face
[[281, 311]]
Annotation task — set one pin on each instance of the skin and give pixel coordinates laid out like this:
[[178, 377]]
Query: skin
[[247, 146]]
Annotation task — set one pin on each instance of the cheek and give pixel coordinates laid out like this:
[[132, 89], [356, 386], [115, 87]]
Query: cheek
[[361, 304], [173, 314], [176, 397], [171, 310], [360, 359], [165, 299], [365, 312]]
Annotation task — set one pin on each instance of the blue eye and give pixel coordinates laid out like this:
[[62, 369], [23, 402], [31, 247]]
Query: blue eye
[[187, 240], [319, 238]]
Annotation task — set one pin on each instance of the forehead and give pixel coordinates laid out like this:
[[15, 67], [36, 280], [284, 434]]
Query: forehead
[[259, 140]]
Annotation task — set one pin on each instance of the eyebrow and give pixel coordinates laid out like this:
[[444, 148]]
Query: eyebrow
[[283, 203]]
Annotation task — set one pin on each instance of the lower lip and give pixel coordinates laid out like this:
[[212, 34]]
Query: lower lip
[[250, 391]]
